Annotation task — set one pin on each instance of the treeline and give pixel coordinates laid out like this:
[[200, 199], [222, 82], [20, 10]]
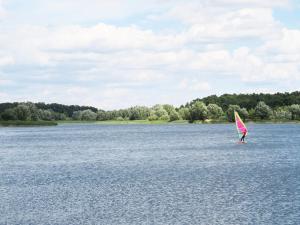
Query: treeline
[[249, 101], [67, 110], [280, 106]]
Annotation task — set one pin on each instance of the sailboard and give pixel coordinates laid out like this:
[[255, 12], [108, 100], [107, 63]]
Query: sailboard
[[240, 126]]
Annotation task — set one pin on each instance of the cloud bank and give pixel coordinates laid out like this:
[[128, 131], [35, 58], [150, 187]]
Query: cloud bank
[[116, 55]]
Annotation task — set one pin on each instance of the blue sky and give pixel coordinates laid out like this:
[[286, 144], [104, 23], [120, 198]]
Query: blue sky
[[116, 54]]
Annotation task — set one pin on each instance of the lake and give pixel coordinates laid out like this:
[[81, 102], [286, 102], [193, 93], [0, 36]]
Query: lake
[[150, 174]]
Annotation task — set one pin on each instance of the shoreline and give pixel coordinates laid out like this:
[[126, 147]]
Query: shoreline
[[162, 122], [19, 123], [130, 122], [124, 122]]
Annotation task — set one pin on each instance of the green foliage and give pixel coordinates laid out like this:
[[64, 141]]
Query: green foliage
[[249, 101], [282, 114], [152, 117], [295, 111], [68, 110], [138, 113], [9, 114], [214, 111], [174, 115], [165, 117], [163, 112], [102, 115], [241, 111], [286, 106], [88, 115], [46, 114], [244, 113], [158, 112], [22, 112], [198, 111], [76, 115], [34, 111], [263, 111], [168, 108], [184, 113], [59, 116], [252, 114]]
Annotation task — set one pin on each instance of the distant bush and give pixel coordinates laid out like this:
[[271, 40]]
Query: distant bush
[[263, 111]]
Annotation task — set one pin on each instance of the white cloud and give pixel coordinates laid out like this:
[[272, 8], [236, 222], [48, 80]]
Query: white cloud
[[2, 10], [201, 86], [253, 3], [210, 23], [6, 60], [103, 37], [194, 85], [3, 96], [287, 43], [94, 10], [110, 65]]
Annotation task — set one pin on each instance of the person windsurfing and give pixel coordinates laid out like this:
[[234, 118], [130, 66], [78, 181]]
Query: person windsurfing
[[243, 137], [241, 127]]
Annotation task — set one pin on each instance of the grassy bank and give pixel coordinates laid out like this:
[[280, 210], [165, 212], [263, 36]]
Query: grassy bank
[[118, 122], [124, 122], [158, 122], [273, 121], [27, 123]]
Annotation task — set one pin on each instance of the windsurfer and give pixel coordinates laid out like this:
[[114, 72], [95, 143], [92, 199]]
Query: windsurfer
[[243, 137], [241, 128]]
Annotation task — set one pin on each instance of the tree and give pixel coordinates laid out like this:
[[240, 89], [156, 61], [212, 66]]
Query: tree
[[214, 111], [184, 113], [174, 115], [168, 108], [198, 111], [295, 111], [165, 117], [9, 114], [282, 113], [252, 114], [102, 115], [124, 113], [159, 112], [120, 118], [88, 115], [249, 101], [241, 111], [34, 111], [263, 111], [110, 115], [139, 113], [152, 116], [76, 115], [23, 112], [59, 116], [46, 114]]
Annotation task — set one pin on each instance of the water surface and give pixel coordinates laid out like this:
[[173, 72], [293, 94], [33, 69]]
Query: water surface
[[150, 174]]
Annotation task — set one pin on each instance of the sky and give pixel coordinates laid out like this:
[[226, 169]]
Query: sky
[[120, 53]]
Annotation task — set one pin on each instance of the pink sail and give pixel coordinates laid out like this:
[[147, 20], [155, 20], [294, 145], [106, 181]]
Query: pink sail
[[240, 126]]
